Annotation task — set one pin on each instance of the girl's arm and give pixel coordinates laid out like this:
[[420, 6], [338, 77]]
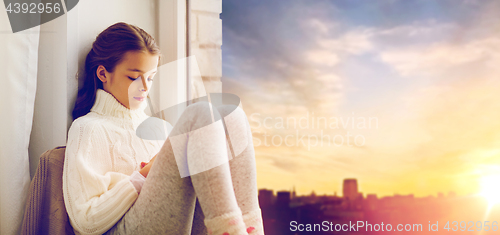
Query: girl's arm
[[138, 177], [95, 197]]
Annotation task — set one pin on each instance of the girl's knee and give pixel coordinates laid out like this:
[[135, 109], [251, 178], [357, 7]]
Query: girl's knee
[[199, 108], [200, 114], [234, 111], [203, 113]]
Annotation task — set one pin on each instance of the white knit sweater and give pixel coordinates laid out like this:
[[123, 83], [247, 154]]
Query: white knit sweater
[[102, 151]]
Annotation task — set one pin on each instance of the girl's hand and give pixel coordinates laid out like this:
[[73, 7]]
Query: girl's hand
[[145, 167]]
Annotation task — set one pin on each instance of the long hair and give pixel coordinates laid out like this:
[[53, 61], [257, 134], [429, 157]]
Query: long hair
[[108, 50]]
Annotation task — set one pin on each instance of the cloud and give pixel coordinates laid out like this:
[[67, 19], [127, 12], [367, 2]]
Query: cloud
[[318, 25], [442, 56], [355, 41], [418, 29], [284, 63], [322, 57]]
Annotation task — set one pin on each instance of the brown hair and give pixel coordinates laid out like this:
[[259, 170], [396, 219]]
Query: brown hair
[[108, 50]]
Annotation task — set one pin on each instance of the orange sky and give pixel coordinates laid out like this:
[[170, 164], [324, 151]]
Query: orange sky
[[430, 80]]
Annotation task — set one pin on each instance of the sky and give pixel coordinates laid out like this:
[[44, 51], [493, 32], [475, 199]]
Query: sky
[[401, 95]]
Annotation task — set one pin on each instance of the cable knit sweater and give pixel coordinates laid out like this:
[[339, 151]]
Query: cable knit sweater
[[102, 152]]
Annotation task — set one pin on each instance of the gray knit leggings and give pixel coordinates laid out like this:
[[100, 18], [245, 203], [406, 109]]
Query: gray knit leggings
[[167, 200]]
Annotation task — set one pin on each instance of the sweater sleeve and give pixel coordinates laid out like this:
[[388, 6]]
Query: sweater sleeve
[[95, 197], [137, 180]]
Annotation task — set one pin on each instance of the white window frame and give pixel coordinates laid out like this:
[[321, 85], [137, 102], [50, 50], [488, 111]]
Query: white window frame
[[172, 38]]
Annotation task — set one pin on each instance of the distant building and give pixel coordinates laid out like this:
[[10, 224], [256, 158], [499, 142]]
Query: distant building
[[283, 199], [353, 199], [266, 198], [350, 189], [371, 197], [371, 201]]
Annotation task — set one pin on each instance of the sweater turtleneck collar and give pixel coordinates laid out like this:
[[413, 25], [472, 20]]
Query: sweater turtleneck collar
[[107, 105]]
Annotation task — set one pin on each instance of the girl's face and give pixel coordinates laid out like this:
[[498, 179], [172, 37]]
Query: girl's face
[[132, 78]]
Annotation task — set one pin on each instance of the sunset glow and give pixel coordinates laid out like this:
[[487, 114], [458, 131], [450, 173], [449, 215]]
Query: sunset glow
[[490, 189]]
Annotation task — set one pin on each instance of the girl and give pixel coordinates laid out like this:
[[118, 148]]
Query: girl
[[109, 188]]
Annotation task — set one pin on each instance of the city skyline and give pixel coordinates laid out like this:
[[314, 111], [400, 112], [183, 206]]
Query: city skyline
[[285, 212], [365, 194]]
